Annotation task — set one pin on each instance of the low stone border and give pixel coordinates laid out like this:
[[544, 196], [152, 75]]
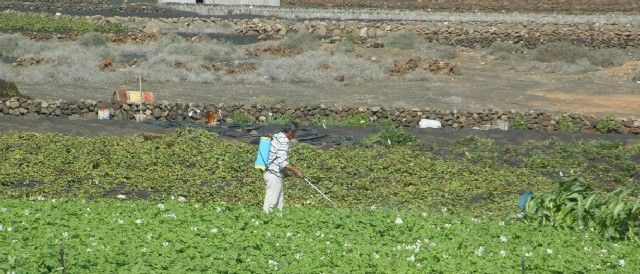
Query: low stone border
[[405, 117]]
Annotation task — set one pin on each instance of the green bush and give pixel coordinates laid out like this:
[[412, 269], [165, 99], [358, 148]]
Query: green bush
[[607, 124], [518, 122], [393, 137], [573, 205], [283, 119], [241, 118], [566, 124]]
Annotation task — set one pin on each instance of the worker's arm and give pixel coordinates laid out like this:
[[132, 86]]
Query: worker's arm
[[293, 169]]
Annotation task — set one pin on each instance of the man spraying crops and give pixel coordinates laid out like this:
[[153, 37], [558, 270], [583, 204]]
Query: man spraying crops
[[277, 164]]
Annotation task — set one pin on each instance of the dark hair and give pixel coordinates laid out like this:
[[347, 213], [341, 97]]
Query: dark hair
[[292, 126]]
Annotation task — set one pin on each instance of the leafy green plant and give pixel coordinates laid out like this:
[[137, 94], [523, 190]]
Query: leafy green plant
[[241, 118], [607, 124], [393, 137], [283, 119], [613, 215], [518, 122], [566, 124]]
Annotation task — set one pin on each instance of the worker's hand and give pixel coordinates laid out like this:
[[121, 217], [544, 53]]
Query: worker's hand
[[299, 174]]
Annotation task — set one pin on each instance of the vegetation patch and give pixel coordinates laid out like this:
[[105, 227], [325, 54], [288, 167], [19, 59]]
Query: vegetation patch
[[185, 236], [607, 125], [202, 167], [49, 23]]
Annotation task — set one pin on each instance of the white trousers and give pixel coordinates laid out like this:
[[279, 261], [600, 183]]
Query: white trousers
[[274, 195]]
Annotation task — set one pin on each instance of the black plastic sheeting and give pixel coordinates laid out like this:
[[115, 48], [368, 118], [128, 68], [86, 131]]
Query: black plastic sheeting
[[251, 133]]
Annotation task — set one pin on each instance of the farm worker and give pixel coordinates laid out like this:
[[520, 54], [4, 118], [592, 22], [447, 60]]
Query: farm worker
[[277, 163]]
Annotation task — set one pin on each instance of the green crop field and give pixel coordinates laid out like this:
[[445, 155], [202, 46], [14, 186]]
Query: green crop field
[[49, 23], [175, 237], [191, 202]]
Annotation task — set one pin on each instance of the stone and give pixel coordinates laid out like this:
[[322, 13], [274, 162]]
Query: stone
[[262, 119], [500, 124], [10, 90], [428, 123], [14, 104]]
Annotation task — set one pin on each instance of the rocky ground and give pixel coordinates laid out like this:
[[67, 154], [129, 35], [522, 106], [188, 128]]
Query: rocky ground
[[474, 79], [570, 6]]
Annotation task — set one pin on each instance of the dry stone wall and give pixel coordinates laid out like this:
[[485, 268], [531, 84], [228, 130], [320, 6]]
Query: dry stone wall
[[406, 117]]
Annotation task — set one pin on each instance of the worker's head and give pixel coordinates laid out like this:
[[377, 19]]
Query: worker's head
[[289, 130]]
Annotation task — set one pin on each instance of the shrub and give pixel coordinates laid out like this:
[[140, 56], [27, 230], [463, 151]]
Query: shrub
[[566, 124], [344, 46], [9, 43], [391, 137], [607, 57], [559, 52], [303, 41], [92, 39], [241, 118], [418, 75], [518, 122], [401, 40], [607, 124], [437, 51], [283, 119], [504, 50]]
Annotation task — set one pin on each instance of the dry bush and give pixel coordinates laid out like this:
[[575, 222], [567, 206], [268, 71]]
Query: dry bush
[[559, 52], [300, 41], [418, 75], [580, 66], [505, 50], [308, 68], [612, 57], [92, 39], [401, 40], [436, 51]]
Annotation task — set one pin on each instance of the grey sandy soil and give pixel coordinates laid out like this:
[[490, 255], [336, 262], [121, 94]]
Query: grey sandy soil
[[481, 86]]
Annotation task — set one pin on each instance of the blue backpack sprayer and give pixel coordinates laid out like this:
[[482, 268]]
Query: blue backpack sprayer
[[261, 163]]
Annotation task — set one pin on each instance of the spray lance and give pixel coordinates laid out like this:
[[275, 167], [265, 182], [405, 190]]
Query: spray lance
[[261, 163]]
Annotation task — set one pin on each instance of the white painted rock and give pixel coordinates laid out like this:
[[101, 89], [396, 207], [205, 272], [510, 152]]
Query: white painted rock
[[428, 123]]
